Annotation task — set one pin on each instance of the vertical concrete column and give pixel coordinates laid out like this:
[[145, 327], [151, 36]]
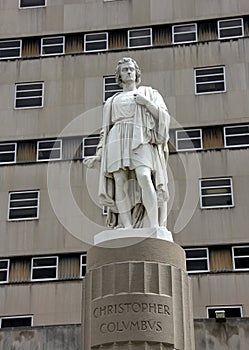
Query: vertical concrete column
[[138, 297]]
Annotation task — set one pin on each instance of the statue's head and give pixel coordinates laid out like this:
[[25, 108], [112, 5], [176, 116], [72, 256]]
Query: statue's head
[[117, 71]]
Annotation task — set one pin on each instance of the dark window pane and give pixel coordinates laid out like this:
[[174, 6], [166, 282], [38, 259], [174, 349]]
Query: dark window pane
[[32, 3], [241, 251], [91, 141], [224, 33], [196, 265], [10, 53], [242, 263], [184, 28], [216, 201], [237, 140], [34, 102], [52, 41], [209, 78], [7, 157], [231, 23], [3, 264], [83, 271], [219, 87], [184, 37], [237, 130], [44, 273], [26, 203], [200, 253], [3, 276], [102, 45], [44, 262], [140, 42], [7, 147], [215, 182], [24, 87], [188, 144], [16, 322], [23, 195], [110, 80], [96, 37], [137, 33], [52, 50], [205, 71], [23, 213]]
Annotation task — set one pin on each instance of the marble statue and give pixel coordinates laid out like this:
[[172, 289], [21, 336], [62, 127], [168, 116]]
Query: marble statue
[[133, 153]]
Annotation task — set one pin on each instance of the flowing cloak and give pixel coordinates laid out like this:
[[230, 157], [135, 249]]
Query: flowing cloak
[[147, 129]]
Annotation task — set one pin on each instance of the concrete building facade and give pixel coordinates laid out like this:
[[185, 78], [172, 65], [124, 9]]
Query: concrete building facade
[[57, 61]]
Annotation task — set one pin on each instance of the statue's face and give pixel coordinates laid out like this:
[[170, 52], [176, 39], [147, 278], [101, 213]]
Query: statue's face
[[128, 72]]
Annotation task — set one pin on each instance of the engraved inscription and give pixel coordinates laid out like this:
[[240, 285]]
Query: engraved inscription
[[132, 316]]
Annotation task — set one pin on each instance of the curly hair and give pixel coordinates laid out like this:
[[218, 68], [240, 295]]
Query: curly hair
[[117, 71]]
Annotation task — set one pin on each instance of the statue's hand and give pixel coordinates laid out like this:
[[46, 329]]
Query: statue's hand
[[91, 162], [140, 99]]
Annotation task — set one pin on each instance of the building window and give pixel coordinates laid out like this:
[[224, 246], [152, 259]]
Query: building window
[[235, 136], [89, 147], [4, 270], [23, 205], [29, 95], [52, 45], [83, 265], [187, 140], [10, 49], [184, 33], [7, 153], [49, 150], [240, 258], [230, 311], [139, 37], [110, 87], [230, 28], [216, 193], [44, 268], [197, 260], [32, 3], [16, 321], [96, 42], [210, 80]]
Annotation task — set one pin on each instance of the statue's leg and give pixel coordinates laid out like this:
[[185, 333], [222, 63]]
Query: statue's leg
[[163, 215], [149, 197], [122, 198]]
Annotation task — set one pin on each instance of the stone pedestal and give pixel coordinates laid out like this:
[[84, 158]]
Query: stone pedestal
[[137, 296]]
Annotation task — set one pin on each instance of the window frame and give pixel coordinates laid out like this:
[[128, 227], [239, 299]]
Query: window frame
[[88, 146], [47, 45], [190, 139], [216, 195], [48, 149], [210, 82], [239, 256], [95, 41], [27, 218], [44, 267], [235, 135], [29, 83], [11, 57], [5, 270], [187, 41], [110, 84], [233, 36], [202, 258], [84, 255], [218, 307], [6, 152], [28, 7], [15, 317], [139, 37]]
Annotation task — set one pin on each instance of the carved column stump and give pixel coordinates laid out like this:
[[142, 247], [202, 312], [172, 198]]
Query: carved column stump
[[137, 297]]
